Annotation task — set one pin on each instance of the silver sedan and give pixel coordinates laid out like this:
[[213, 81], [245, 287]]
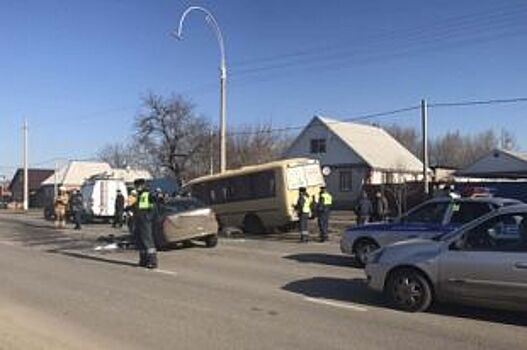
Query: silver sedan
[[427, 220], [484, 263]]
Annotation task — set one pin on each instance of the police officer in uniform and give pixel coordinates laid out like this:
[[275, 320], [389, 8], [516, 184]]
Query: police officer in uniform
[[143, 219], [77, 206], [303, 208], [325, 200]]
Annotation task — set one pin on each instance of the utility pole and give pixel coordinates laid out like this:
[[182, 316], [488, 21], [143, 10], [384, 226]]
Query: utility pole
[[223, 126], [211, 151], [26, 185], [55, 184], [424, 123]]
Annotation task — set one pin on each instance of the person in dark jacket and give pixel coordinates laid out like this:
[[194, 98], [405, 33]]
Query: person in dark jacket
[[364, 209], [119, 210], [77, 206], [380, 207]]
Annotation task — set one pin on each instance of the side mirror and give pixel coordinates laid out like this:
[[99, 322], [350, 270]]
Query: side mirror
[[492, 232], [458, 244]]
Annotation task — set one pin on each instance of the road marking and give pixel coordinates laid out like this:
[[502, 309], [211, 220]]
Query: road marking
[[8, 243], [336, 304], [235, 240], [166, 272]]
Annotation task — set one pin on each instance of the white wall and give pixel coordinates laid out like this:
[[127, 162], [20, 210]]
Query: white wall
[[337, 152]]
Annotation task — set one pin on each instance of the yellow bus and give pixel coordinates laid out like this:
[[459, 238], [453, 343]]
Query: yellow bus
[[261, 197]]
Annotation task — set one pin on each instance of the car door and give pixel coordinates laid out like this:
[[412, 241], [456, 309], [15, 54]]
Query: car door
[[489, 262]]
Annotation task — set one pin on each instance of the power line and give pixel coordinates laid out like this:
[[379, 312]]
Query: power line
[[391, 113], [345, 120], [426, 34], [345, 63], [475, 103], [423, 44], [442, 24]]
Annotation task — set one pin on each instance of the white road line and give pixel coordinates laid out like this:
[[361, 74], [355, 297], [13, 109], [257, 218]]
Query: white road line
[[234, 240], [8, 243], [166, 272], [336, 304]]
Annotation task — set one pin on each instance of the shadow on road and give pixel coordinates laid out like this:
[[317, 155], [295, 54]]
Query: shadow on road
[[323, 259], [99, 258], [40, 226], [474, 313], [356, 291], [353, 291]]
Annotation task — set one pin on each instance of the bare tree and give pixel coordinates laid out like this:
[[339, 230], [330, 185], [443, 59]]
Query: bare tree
[[171, 132], [407, 136], [115, 154], [453, 149], [129, 154], [256, 144], [458, 151]]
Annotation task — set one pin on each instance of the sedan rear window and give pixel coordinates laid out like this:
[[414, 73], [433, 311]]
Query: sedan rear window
[[179, 205]]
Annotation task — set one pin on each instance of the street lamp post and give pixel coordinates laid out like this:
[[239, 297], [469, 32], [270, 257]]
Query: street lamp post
[[223, 75]]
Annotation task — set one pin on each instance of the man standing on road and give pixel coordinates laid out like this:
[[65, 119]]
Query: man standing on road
[[60, 206], [303, 209], [144, 214], [119, 210], [364, 209], [77, 206], [325, 200], [130, 210], [381, 207]]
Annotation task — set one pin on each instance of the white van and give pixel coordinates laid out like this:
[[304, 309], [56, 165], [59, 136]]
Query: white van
[[99, 195]]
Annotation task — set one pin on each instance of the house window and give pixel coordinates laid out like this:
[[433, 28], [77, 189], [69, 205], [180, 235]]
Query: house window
[[318, 146], [345, 181]]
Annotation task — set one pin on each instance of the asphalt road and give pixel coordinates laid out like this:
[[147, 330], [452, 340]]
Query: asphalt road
[[57, 293]]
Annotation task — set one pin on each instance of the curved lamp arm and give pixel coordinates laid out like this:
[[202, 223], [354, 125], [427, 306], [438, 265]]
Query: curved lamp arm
[[211, 21]]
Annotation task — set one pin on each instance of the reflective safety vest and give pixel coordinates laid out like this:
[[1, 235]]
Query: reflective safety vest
[[144, 201], [306, 208], [326, 199]]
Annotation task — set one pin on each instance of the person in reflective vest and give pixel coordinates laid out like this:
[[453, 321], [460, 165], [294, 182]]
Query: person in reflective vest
[[325, 201], [303, 209], [143, 218]]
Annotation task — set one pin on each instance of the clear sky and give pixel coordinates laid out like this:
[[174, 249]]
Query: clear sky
[[77, 69]]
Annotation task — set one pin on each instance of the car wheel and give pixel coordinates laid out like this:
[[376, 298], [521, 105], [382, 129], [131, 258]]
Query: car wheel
[[362, 249], [211, 241], [252, 224], [409, 290]]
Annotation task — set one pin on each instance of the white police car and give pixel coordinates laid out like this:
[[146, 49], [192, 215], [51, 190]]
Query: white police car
[[427, 220]]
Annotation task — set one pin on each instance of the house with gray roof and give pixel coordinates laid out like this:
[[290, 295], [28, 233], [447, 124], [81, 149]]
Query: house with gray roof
[[357, 154], [498, 163]]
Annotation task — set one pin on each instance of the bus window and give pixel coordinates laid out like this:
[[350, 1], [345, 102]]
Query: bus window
[[240, 188], [263, 184]]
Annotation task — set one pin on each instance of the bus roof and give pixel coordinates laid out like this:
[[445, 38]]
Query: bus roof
[[254, 168]]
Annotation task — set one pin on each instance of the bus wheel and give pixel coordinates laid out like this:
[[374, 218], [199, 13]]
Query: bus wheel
[[252, 224]]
